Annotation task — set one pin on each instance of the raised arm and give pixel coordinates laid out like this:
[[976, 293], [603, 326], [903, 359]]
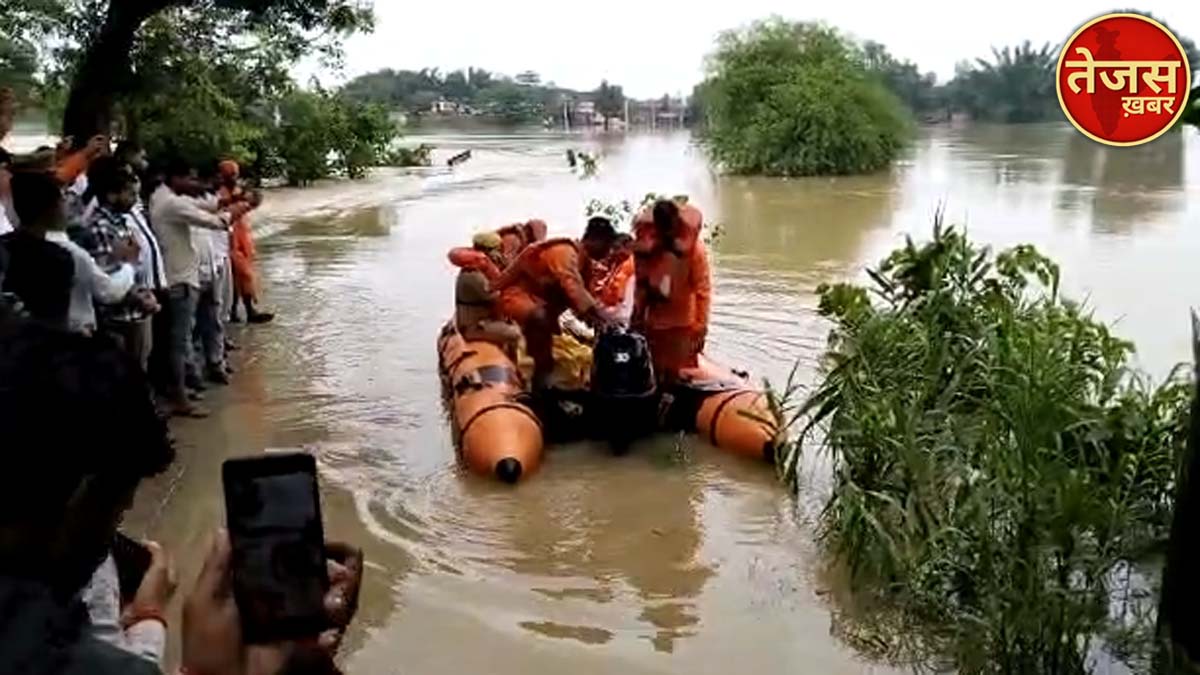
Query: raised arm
[[197, 215], [109, 288]]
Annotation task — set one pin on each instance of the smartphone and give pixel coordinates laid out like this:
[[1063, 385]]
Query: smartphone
[[273, 513], [132, 559]]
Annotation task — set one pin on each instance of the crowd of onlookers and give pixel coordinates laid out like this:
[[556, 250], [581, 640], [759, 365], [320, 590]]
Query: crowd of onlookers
[[157, 258], [118, 280]]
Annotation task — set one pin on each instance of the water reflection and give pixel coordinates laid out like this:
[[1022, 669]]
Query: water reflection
[[800, 225], [1122, 187]]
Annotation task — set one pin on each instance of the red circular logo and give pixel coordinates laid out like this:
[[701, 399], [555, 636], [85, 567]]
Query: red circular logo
[[1123, 79]]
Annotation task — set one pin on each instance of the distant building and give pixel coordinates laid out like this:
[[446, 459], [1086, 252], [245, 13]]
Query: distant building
[[583, 113], [443, 107], [665, 113]]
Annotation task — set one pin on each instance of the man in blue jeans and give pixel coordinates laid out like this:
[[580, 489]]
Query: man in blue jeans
[[174, 211], [209, 362]]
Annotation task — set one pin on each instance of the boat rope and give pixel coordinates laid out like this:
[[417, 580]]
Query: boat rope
[[498, 406], [716, 419]]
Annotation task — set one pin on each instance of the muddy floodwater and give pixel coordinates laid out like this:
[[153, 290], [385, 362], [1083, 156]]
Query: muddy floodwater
[[676, 558]]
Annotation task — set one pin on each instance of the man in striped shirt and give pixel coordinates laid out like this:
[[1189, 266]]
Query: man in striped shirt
[[127, 320]]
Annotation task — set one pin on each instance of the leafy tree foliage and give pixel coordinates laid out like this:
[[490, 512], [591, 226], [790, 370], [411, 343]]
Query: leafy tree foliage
[[1192, 115], [92, 46], [796, 99], [917, 90], [1017, 85], [514, 100], [610, 100], [207, 81], [997, 465]]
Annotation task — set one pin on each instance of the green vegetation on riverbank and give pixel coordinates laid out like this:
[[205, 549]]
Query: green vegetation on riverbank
[[998, 470], [790, 99]]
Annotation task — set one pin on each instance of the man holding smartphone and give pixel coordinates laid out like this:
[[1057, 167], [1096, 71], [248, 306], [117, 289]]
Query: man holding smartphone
[[127, 320]]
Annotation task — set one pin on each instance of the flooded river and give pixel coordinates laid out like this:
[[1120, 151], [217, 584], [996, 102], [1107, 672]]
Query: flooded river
[[676, 558]]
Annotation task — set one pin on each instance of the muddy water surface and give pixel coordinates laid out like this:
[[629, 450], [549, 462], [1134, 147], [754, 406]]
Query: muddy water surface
[[676, 558]]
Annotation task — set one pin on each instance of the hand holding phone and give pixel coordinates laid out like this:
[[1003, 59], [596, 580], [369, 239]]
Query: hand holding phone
[[212, 628], [277, 542], [158, 584], [145, 577]]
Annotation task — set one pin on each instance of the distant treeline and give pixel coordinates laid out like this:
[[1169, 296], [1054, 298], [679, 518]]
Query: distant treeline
[[524, 98], [1015, 85]]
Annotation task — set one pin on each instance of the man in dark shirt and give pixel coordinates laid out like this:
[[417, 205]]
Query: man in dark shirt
[[39, 271]]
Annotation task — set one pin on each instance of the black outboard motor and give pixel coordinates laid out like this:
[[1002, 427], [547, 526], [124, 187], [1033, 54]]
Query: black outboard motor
[[624, 395]]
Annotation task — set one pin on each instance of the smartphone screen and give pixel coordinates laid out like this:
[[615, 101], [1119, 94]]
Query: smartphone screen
[[274, 517]]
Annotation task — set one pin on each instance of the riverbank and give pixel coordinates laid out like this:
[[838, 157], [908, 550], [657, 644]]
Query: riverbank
[[184, 506]]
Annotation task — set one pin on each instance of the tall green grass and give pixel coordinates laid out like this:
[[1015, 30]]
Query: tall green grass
[[996, 462]]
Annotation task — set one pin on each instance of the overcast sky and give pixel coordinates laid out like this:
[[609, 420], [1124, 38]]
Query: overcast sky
[[653, 47]]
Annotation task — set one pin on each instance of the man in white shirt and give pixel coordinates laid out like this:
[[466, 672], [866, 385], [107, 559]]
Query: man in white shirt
[[210, 362], [173, 214], [91, 284]]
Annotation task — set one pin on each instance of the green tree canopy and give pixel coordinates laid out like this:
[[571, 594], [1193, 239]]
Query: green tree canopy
[[610, 100], [1017, 85], [91, 47], [795, 99], [508, 99], [917, 90]]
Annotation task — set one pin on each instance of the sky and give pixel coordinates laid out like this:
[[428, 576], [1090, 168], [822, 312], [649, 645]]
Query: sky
[[654, 47]]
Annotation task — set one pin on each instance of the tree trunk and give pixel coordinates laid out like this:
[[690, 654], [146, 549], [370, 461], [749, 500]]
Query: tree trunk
[[106, 69], [1178, 618]]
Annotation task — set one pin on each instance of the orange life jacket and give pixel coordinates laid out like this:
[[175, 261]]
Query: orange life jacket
[[554, 271], [517, 237], [612, 288], [472, 259], [674, 288]]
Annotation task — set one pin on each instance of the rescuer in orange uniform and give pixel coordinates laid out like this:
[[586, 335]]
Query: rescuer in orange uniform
[[476, 315], [547, 279], [674, 289], [517, 237]]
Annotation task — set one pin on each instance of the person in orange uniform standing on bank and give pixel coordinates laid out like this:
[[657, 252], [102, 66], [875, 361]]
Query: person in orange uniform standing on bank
[[674, 288], [239, 202], [547, 279]]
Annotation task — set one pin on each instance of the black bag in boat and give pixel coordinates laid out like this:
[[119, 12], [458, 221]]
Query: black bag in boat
[[624, 395]]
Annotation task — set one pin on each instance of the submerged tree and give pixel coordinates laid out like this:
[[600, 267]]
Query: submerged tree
[[795, 99]]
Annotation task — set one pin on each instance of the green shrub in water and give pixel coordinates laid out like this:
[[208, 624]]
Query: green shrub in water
[[995, 462], [790, 99]]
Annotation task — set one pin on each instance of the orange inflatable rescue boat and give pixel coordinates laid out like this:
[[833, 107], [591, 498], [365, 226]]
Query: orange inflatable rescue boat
[[497, 432], [729, 413]]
